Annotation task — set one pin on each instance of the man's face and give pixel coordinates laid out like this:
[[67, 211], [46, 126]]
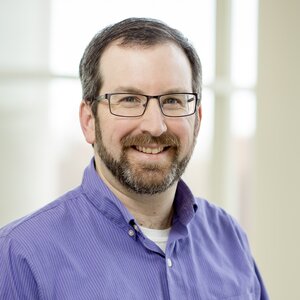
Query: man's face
[[146, 154]]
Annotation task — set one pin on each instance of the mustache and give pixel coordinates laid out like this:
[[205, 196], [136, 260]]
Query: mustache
[[144, 139]]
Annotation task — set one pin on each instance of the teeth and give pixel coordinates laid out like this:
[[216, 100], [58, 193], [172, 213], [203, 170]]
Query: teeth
[[150, 150]]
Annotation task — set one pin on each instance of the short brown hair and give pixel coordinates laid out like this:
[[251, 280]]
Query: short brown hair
[[133, 31]]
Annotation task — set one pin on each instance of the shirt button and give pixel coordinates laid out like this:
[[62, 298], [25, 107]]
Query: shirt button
[[169, 262], [131, 232]]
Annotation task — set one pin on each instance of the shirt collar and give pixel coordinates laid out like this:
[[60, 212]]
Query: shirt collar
[[103, 198], [109, 205], [184, 203]]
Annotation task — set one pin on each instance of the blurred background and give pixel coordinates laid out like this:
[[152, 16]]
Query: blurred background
[[247, 155]]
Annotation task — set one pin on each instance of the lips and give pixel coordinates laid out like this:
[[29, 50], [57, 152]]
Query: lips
[[148, 150], [147, 144]]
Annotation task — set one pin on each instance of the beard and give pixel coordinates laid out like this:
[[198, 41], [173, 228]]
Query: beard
[[144, 178]]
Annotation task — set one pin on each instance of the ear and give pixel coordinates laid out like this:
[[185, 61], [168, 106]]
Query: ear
[[87, 122], [199, 118]]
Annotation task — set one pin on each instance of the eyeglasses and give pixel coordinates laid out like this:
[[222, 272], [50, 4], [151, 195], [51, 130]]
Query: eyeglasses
[[135, 105]]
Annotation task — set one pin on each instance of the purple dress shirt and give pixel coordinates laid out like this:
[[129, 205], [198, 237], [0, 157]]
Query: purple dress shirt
[[86, 245]]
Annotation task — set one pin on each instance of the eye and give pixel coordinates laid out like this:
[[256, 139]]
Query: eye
[[130, 99], [173, 101], [126, 100]]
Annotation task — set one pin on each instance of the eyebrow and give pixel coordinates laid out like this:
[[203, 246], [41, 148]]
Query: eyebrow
[[133, 90]]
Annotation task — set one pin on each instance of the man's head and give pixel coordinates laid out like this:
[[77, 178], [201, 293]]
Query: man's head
[[146, 153], [132, 32]]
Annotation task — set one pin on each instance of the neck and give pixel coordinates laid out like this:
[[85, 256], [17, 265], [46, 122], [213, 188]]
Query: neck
[[151, 211]]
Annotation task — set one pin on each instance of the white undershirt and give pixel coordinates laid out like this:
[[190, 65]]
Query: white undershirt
[[158, 236]]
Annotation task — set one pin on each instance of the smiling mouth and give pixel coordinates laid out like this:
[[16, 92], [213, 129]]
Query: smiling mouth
[[148, 150]]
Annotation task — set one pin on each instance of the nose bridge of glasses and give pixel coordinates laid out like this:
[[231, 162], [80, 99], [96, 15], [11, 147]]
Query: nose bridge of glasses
[[153, 120], [153, 97]]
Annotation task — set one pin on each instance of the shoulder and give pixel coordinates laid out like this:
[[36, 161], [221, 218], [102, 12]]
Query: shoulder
[[26, 243], [209, 212], [219, 223], [41, 221]]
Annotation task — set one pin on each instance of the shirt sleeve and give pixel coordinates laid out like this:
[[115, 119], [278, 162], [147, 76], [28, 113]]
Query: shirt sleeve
[[263, 291], [17, 279], [245, 243]]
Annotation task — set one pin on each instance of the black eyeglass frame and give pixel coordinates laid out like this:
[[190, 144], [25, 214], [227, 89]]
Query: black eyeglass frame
[[108, 95]]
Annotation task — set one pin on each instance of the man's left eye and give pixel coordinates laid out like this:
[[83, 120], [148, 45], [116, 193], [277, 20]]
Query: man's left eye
[[171, 101]]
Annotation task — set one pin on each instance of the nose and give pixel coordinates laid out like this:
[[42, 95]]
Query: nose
[[153, 121]]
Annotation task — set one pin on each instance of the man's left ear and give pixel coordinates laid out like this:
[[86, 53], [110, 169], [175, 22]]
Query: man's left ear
[[199, 118]]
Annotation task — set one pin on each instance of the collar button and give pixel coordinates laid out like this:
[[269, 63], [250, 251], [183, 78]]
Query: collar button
[[130, 232]]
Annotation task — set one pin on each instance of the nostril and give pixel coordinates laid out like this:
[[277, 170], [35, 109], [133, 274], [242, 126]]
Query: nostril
[[153, 122], [153, 127]]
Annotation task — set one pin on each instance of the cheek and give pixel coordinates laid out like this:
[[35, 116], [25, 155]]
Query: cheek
[[112, 133], [184, 129]]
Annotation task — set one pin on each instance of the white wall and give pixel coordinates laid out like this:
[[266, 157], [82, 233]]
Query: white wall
[[23, 106], [36, 157], [276, 237]]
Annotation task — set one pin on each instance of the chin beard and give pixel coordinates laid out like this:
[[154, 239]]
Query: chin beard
[[147, 179]]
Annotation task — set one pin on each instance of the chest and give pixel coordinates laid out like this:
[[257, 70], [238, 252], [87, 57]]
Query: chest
[[121, 266]]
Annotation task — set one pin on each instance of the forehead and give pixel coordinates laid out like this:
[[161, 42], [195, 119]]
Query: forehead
[[157, 67]]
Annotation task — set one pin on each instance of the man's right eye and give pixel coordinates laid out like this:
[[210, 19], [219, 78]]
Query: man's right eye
[[130, 99]]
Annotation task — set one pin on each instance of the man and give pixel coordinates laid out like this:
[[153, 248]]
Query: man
[[133, 229]]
